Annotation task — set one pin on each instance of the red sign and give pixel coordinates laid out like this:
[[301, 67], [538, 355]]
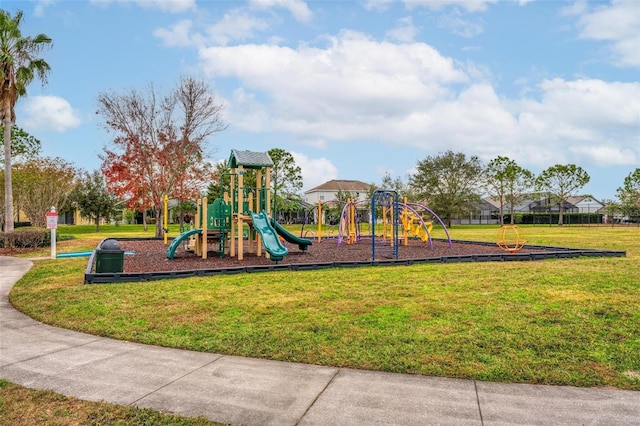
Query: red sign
[[52, 220]]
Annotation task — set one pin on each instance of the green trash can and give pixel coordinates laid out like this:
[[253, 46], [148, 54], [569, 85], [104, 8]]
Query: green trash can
[[109, 257]]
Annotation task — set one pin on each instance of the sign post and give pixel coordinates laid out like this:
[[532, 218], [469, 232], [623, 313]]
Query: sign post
[[52, 223], [165, 218]]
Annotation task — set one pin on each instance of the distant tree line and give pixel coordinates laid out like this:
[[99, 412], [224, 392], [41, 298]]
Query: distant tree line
[[449, 183], [452, 184]]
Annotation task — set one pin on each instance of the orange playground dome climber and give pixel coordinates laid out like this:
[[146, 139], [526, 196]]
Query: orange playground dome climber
[[510, 238]]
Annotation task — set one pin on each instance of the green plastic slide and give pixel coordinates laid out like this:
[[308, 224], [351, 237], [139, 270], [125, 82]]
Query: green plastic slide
[[270, 240], [303, 243], [171, 251]]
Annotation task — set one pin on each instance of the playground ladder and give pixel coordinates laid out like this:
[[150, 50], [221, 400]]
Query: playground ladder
[[388, 199]]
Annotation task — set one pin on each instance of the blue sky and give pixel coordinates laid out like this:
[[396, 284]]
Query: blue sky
[[354, 89]]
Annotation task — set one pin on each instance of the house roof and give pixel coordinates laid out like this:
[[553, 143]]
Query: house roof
[[493, 201], [575, 200], [341, 185], [485, 204], [249, 159]]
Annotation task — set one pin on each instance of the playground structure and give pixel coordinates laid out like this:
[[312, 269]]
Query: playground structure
[[413, 223], [389, 217], [510, 238], [246, 211], [319, 212], [348, 226], [394, 216], [388, 202]]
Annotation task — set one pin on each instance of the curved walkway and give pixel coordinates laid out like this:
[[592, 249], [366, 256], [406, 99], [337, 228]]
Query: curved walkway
[[250, 391]]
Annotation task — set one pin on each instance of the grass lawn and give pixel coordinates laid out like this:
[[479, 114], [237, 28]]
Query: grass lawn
[[24, 407], [570, 322]]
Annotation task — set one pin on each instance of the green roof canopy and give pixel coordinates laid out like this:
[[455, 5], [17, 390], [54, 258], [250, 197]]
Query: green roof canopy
[[249, 159]]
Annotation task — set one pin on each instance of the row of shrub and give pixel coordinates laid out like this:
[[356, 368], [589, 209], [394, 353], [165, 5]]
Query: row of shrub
[[546, 218], [33, 238]]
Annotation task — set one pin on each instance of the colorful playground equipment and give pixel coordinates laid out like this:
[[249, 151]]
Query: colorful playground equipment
[[510, 238], [389, 221], [245, 214], [387, 201], [317, 213], [414, 224], [349, 229], [211, 220], [246, 211], [410, 222]]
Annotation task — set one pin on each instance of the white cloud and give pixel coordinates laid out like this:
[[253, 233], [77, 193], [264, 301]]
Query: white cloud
[[592, 119], [377, 5], [468, 5], [577, 8], [178, 35], [49, 113], [454, 14], [170, 6], [235, 25], [454, 22], [315, 171], [246, 113], [345, 91], [41, 6], [357, 89], [405, 31], [297, 8], [592, 102], [352, 74], [616, 23], [607, 155]]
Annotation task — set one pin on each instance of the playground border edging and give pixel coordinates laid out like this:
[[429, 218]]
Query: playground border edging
[[550, 253]]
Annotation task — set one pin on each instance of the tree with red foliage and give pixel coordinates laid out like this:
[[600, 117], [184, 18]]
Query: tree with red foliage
[[160, 144]]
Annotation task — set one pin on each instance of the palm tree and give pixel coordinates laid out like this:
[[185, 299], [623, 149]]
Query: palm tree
[[18, 67]]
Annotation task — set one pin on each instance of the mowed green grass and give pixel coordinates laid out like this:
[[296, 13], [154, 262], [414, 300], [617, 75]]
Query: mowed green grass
[[21, 406], [565, 322]]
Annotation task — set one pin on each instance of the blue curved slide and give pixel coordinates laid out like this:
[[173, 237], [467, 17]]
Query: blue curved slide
[[270, 240], [171, 251]]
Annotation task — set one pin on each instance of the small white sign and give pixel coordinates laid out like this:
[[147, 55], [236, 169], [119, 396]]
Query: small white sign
[[52, 220]]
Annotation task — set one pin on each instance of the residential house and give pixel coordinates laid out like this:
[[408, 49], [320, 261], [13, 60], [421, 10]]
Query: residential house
[[486, 212], [585, 204], [540, 204]]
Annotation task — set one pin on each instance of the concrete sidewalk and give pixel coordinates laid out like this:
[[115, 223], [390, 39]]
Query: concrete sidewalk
[[250, 391]]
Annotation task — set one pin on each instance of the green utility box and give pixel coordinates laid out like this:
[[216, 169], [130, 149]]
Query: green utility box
[[109, 257]]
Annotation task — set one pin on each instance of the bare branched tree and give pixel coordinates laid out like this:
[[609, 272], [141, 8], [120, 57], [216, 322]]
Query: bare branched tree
[[160, 142]]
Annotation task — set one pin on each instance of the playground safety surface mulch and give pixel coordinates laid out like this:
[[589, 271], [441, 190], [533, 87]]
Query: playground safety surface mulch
[[146, 260], [150, 255]]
